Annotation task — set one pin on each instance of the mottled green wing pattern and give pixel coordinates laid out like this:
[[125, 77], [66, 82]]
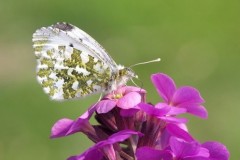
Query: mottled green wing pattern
[[66, 67]]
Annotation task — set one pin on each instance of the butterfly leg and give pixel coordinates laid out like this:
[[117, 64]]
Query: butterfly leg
[[101, 96]]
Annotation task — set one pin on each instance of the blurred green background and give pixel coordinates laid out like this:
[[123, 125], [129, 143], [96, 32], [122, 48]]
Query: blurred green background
[[198, 42]]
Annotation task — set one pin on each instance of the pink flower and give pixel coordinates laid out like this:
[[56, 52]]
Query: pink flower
[[125, 97], [128, 127], [183, 97]]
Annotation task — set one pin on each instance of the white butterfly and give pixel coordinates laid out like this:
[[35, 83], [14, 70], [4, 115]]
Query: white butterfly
[[71, 64]]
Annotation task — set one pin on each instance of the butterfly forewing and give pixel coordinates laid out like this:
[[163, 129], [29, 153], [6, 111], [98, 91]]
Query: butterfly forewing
[[71, 64], [84, 38]]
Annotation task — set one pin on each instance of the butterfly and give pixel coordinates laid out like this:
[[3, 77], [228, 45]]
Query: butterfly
[[71, 64]]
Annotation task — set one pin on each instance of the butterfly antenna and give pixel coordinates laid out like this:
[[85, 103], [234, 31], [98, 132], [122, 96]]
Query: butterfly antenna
[[155, 60]]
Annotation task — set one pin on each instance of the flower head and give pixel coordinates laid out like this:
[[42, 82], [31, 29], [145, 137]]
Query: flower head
[[130, 128], [125, 97]]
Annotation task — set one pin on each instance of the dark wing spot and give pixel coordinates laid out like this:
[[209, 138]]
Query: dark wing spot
[[71, 45], [63, 26], [80, 39]]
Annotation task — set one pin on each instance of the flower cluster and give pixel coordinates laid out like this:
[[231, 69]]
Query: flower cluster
[[131, 128]]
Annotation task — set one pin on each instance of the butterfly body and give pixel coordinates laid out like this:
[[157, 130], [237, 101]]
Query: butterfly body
[[71, 64]]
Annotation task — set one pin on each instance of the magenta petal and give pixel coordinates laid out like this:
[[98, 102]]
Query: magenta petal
[[89, 112], [145, 153], [178, 132], [133, 89], [166, 134], [151, 110], [129, 100], [180, 147], [217, 150], [65, 127], [125, 90], [183, 149], [161, 105], [197, 110], [196, 158], [176, 111], [203, 152], [185, 96], [78, 126], [170, 109], [61, 127], [173, 119], [82, 123], [90, 155], [121, 136], [105, 106], [164, 85]]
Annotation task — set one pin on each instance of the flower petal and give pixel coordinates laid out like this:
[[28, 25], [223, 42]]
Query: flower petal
[[183, 149], [196, 158], [89, 155], [124, 90], [133, 89], [197, 110], [178, 132], [151, 110], [173, 110], [61, 127], [217, 150], [129, 100], [89, 112], [105, 106], [121, 136], [65, 127], [79, 125], [144, 153], [165, 86], [185, 96], [173, 119], [180, 147], [165, 136]]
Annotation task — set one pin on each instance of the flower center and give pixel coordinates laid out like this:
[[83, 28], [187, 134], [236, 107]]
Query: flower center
[[118, 96], [171, 104]]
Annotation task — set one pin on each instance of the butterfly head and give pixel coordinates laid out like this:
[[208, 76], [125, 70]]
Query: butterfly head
[[124, 74], [127, 73]]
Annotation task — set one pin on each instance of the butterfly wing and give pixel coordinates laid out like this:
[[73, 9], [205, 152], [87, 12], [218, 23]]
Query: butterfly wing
[[88, 41], [71, 64]]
